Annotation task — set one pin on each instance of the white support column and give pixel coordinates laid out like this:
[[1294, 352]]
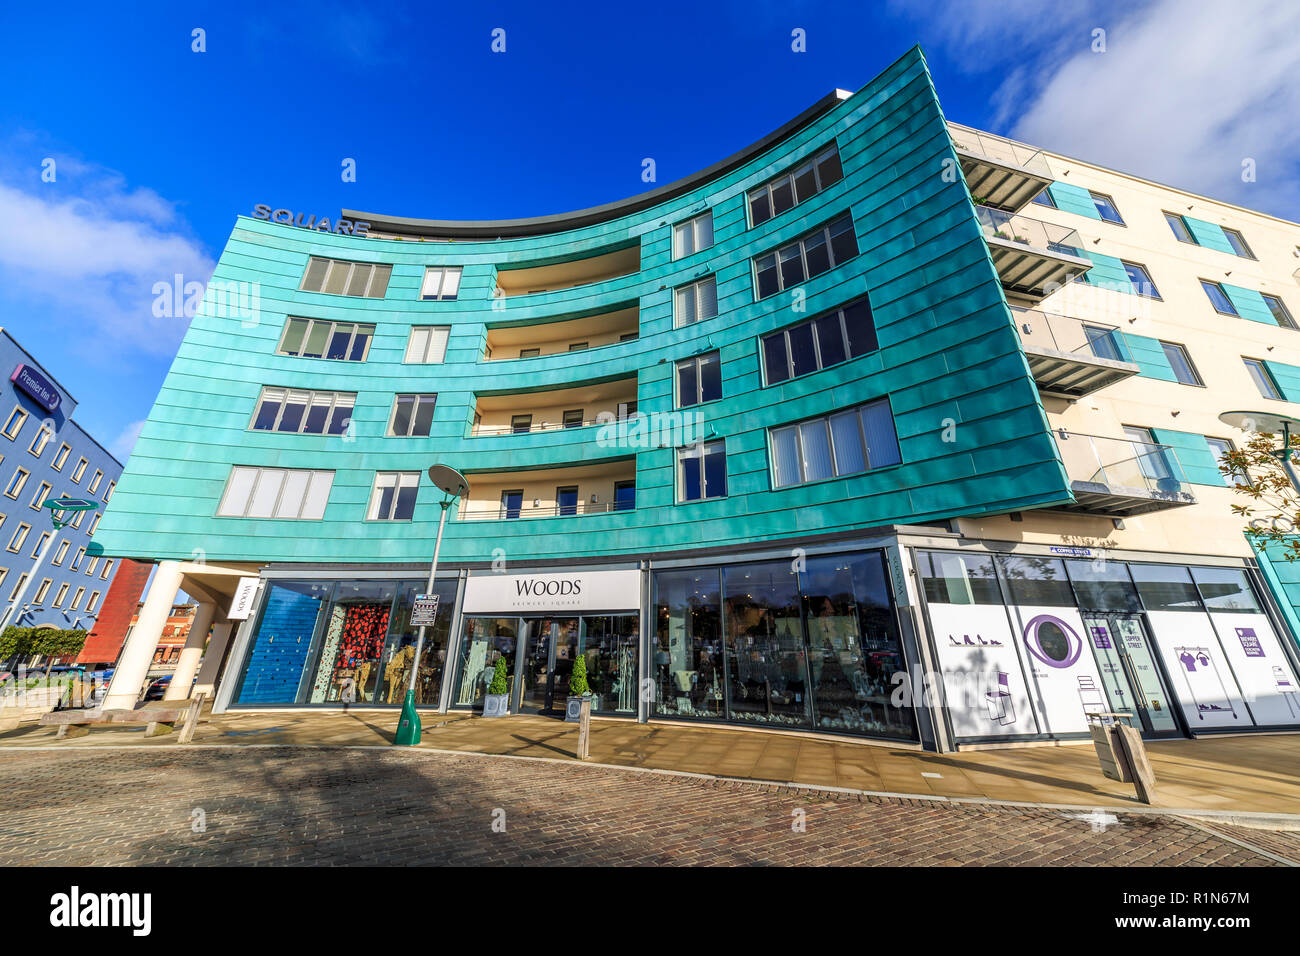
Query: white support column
[[188, 665], [133, 663], [211, 669]]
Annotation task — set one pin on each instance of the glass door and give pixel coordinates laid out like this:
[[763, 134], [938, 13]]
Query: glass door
[[1129, 672], [550, 646]]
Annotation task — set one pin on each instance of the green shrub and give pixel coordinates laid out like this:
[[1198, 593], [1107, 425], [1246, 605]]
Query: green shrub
[[499, 685], [578, 679]]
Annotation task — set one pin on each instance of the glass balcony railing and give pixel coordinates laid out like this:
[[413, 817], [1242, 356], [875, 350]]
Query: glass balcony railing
[[602, 418], [1062, 333], [1121, 463], [999, 150], [1030, 232]]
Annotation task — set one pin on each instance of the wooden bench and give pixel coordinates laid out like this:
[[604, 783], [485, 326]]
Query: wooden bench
[[159, 717]]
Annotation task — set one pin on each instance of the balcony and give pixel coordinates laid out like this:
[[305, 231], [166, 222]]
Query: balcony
[[1120, 478], [554, 338], [1069, 358], [1033, 258], [519, 413], [527, 280], [573, 492], [1001, 173]]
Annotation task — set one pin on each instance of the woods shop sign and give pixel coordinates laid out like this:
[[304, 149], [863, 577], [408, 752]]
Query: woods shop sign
[[577, 591], [287, 217]]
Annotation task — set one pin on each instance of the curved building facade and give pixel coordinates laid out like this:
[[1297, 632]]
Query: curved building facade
[[721, 439]]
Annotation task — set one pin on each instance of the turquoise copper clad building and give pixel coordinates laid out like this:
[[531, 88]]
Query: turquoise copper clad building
[[693, 423]]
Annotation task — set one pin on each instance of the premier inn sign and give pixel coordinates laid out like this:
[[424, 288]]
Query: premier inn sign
[[568, 591], [40, 388]]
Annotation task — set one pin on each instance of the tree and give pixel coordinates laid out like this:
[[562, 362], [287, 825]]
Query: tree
[[499, 683], [1273, 511], [578, 679]]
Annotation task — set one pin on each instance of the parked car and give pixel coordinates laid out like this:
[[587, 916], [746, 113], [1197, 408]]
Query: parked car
[[157, 687]]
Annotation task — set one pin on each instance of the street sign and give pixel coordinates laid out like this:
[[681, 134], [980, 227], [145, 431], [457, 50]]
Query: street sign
[[425, 610], [242, 603]]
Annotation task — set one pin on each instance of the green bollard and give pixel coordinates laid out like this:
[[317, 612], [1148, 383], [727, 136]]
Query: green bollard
[[408, 727]]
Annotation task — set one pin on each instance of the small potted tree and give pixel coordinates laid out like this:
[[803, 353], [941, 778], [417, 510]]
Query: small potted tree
[[497, 701], [578, 689]]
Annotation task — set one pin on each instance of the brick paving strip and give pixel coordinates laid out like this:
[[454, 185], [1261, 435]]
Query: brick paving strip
[[347, 806]]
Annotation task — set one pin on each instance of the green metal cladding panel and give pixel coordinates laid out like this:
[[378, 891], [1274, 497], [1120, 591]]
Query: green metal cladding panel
[[1249, 304], [1149, 356], [1199, 464], [1283, 579], [1287, 379], [1075, 199], [1107, 272], [949, 355], [1208, 234]]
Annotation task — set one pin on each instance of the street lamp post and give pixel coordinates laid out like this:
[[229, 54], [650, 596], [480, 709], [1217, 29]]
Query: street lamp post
[[453, 485]]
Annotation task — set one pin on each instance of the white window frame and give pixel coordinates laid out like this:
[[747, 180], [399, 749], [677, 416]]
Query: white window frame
[[331, 328], [76, 598], [825, 421], [420, 398], [106, 570], [698, 452], [40, 543], [689, 236], [274, 482], [398, 481], [94, 482], [694, 290], [94, 524], [76, 559], [108, 492], [90, 604], [91, 565], [14, 423], [336, 402], [436, 287], [697, 361], [435, 339], [332, 265], [13, 595]]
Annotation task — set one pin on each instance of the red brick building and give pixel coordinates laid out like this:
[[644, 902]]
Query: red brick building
[[117, 614]]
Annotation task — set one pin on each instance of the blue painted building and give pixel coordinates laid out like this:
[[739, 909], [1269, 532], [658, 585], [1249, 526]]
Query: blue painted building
[[45, 454]]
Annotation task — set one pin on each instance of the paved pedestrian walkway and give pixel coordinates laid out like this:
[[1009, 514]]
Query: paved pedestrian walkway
[[316, 806], [1243, 773]]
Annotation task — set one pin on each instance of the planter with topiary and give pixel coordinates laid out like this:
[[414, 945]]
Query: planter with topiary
[[578, 689], [497, 701]]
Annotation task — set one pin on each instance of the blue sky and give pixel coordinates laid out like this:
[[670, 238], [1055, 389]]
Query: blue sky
[[157, 148]]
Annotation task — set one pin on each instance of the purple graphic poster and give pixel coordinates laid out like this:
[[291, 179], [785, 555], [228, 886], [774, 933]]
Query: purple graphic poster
[[1100, 638], [1250, 642]]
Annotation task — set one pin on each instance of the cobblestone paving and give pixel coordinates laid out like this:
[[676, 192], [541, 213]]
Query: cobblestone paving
[[341, 807]]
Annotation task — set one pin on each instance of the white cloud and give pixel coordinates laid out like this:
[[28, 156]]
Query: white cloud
[[125, 441], [86, 251], [1183, 93]]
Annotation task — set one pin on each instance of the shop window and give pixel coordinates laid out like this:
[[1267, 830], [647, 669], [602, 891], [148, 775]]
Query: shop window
[[1103, 585], [687, 665], [1226, 589], [1034, 581], [1165, 587], [485, 640], [958, 578]]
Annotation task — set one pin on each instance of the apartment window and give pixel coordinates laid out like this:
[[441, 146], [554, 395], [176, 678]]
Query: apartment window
[[1141, 279], [699, 379], [626, 410], [14, 424], [91, 565], [303, 412], [94, 599], [60, 552], [274, 493], [94, 482], [824, 341], [393, 496], [1263, 380], [441, 283], [108, 492], [427, 344], [573, 418], [18, 537], [1181, 363], [529, 353], [1150, 456], [94, 524], [521, 424], [76, 559], [1106, 208], [45, 536], [804, 258], [60, 595], [855, 440], [18, 586], [16, 484], [60, 457], [577, 346], [41, 439], [1280, 313], [624, 495], [106, 570], [340, 277], [79, 470], [1179, 225], [321, 338], [695, 302], [1044, 198], [42, 590], [1220, 447], [412, 416], [1218, 298], [789, 189], [628, 337], [512, 502], [1103, 343], [76, 598], [702, 471], [1238, 243], [693, 235], [566, 500]]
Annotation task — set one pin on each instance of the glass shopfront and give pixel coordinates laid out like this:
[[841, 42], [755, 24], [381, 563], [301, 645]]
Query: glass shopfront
[[813, 647], [1029, 645], [344, 642]]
